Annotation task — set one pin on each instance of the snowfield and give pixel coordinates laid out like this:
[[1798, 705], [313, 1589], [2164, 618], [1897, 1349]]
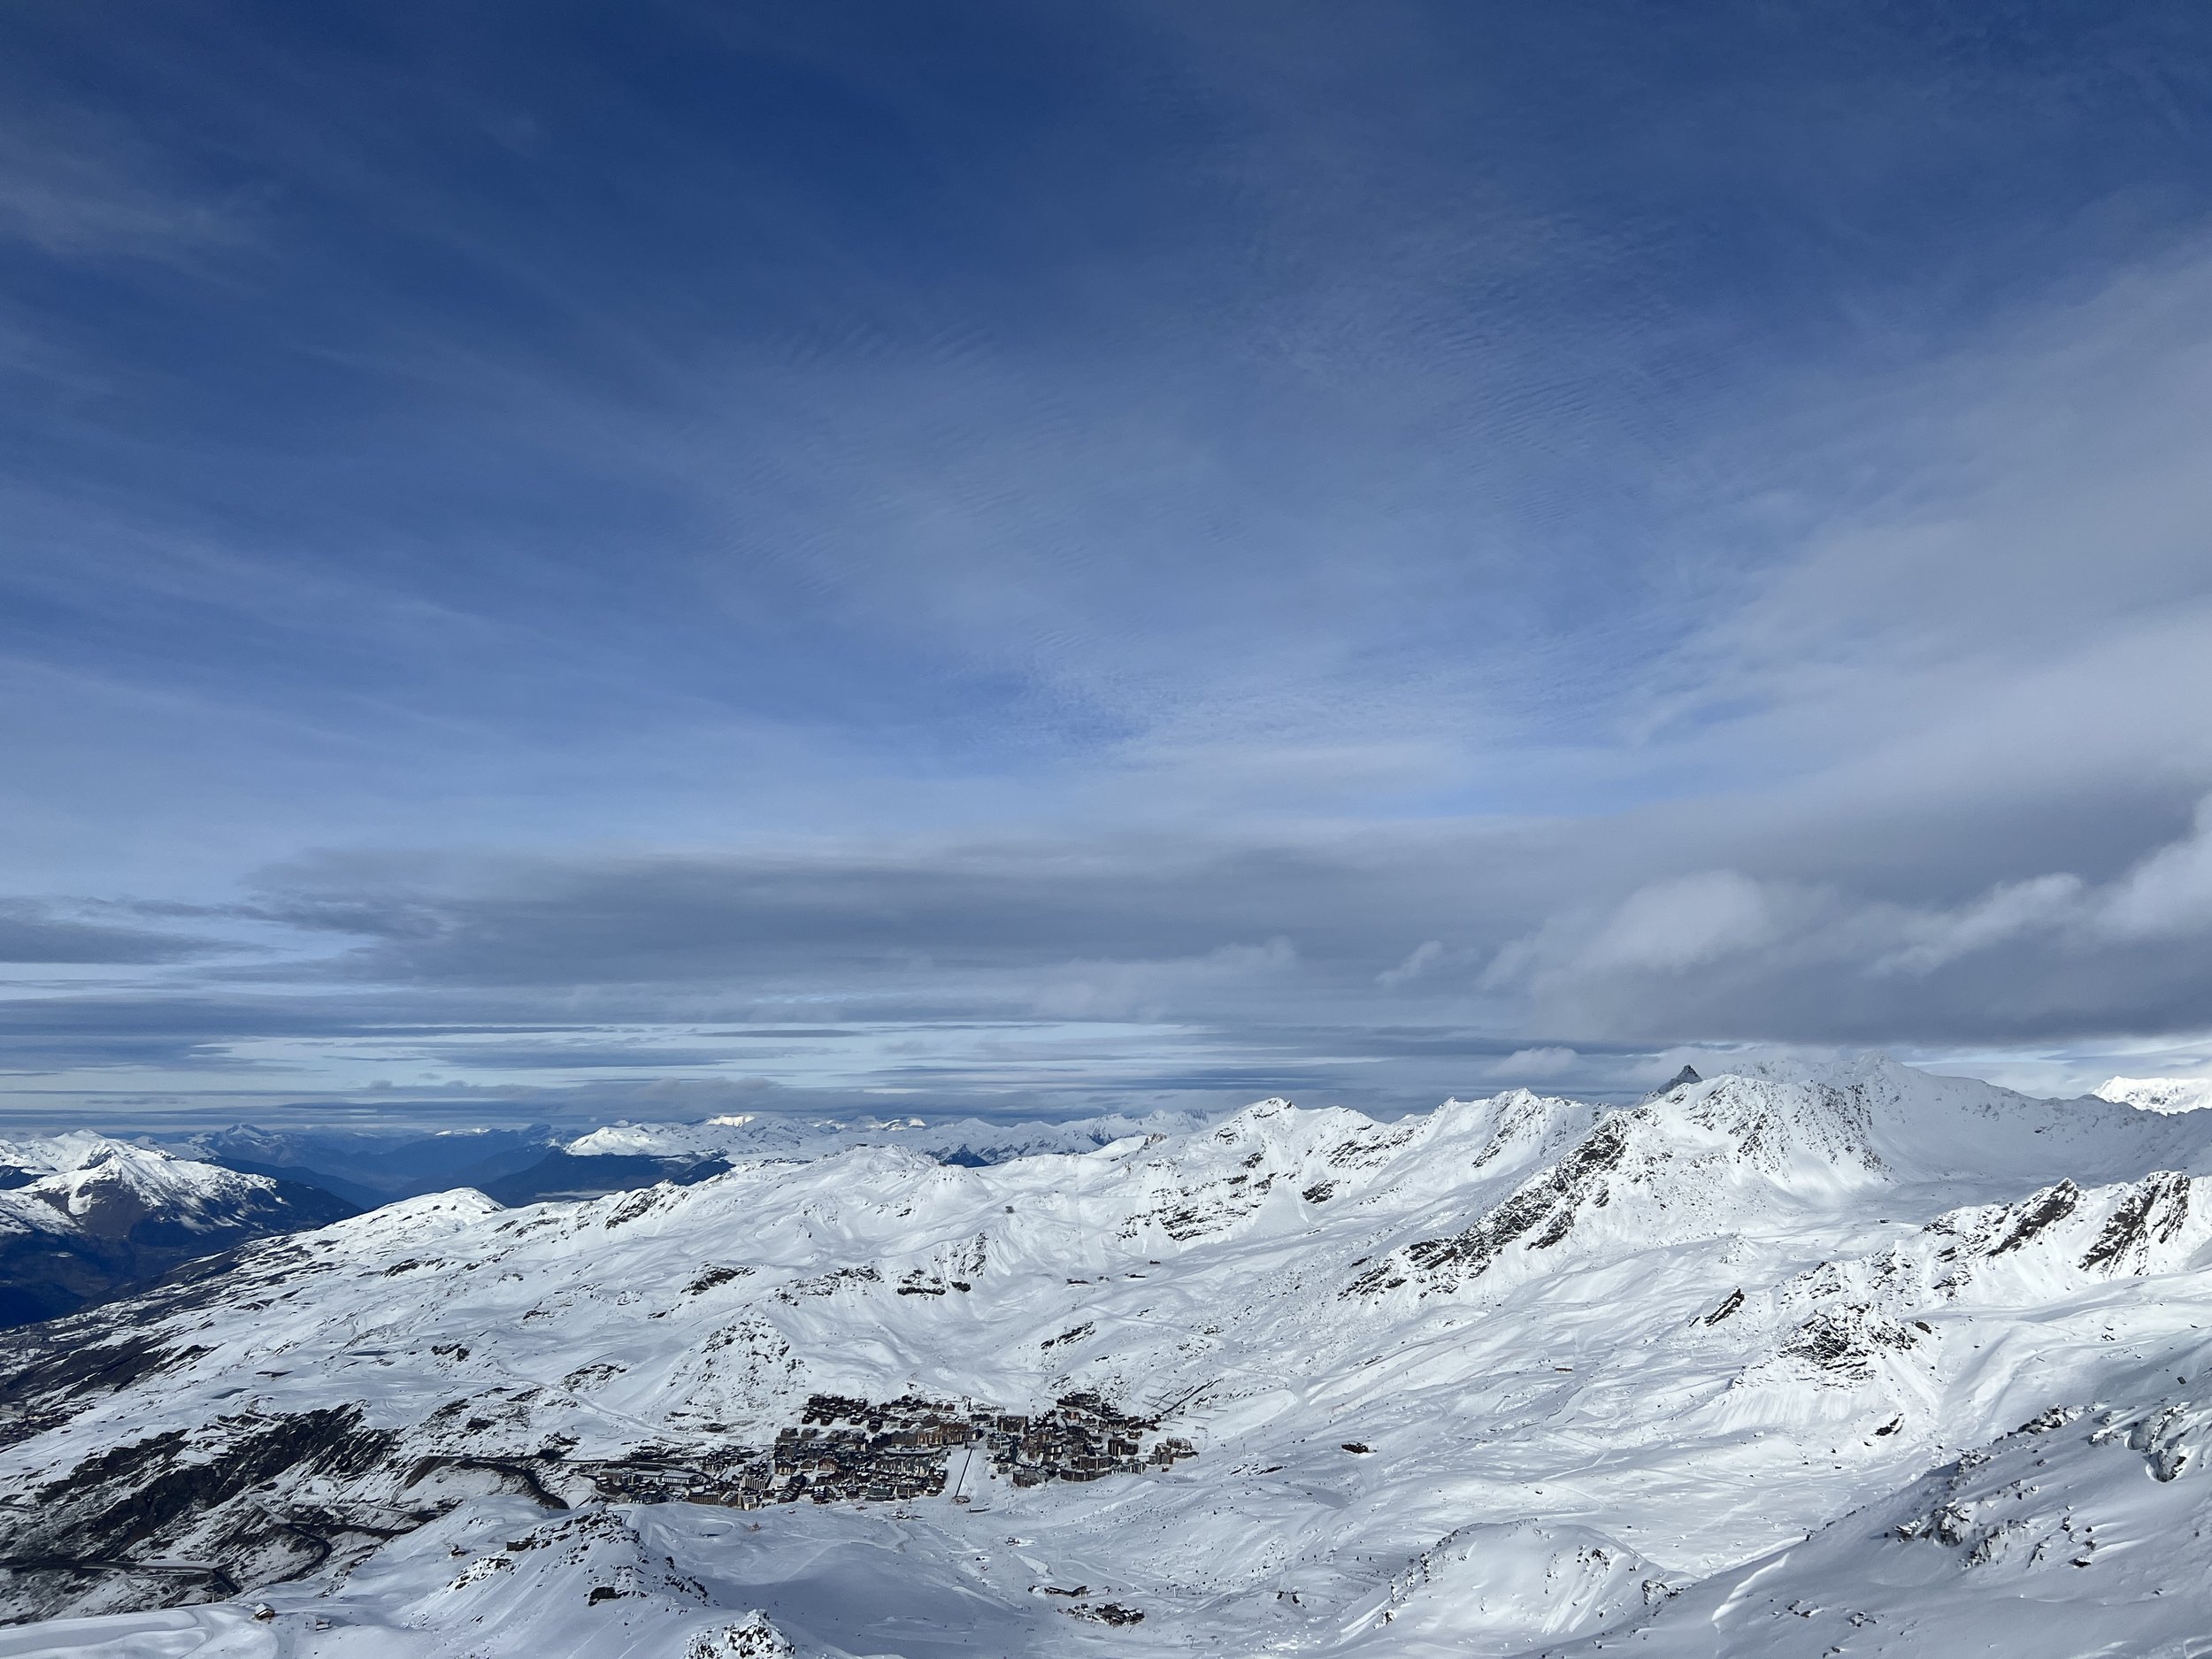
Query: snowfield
[[1858, 1360]]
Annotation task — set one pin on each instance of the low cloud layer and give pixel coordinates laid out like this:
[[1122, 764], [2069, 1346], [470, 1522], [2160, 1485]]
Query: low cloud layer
[[1022, 979], [2052, 957]]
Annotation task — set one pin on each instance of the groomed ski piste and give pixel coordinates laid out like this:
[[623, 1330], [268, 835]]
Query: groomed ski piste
[[1834, 1359]]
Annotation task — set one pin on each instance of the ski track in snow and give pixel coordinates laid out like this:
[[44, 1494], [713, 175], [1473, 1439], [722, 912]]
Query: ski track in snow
[[1860, 1361]]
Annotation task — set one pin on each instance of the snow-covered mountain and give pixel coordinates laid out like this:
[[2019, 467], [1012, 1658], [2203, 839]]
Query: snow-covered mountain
[[533, 1164], [969, 1141], [2158, 1094], [81, 1215], [1858, 1360]]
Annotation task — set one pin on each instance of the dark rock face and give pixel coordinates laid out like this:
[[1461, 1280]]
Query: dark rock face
[[48, 1380], [2153, 1213], [1543, 1212], [1727, 1311], [120, 1528], [1844, 1343], [2044, 1210], [1108, 1613], [179, 1515]]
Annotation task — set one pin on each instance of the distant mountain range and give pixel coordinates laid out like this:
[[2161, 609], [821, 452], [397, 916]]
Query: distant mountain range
[[369, 1168], [970, 1141], [524, 1166], [1806, 1360], [83, 1217]]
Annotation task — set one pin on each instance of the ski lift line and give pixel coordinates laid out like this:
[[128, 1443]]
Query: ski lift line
[[1180, 1401]]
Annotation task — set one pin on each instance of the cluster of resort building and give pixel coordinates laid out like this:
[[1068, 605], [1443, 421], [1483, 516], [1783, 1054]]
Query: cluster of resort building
[[889, 1451]]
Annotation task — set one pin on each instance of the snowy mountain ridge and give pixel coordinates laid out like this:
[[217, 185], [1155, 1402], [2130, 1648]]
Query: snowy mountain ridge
[[962, 1140], [2158, 1094], [1736, 1370], [79, 1165], [87, 1215]]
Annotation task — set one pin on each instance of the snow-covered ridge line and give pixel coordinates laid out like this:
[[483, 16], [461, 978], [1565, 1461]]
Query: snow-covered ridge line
[[966, 1140], [1772, 1302], [2158, 1094], [74, 1149]]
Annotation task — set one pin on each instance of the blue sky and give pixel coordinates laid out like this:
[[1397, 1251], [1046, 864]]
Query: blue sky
[[563, 560]]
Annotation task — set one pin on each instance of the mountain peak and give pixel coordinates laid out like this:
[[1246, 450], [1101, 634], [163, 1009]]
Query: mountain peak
[[1397, 1343]]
